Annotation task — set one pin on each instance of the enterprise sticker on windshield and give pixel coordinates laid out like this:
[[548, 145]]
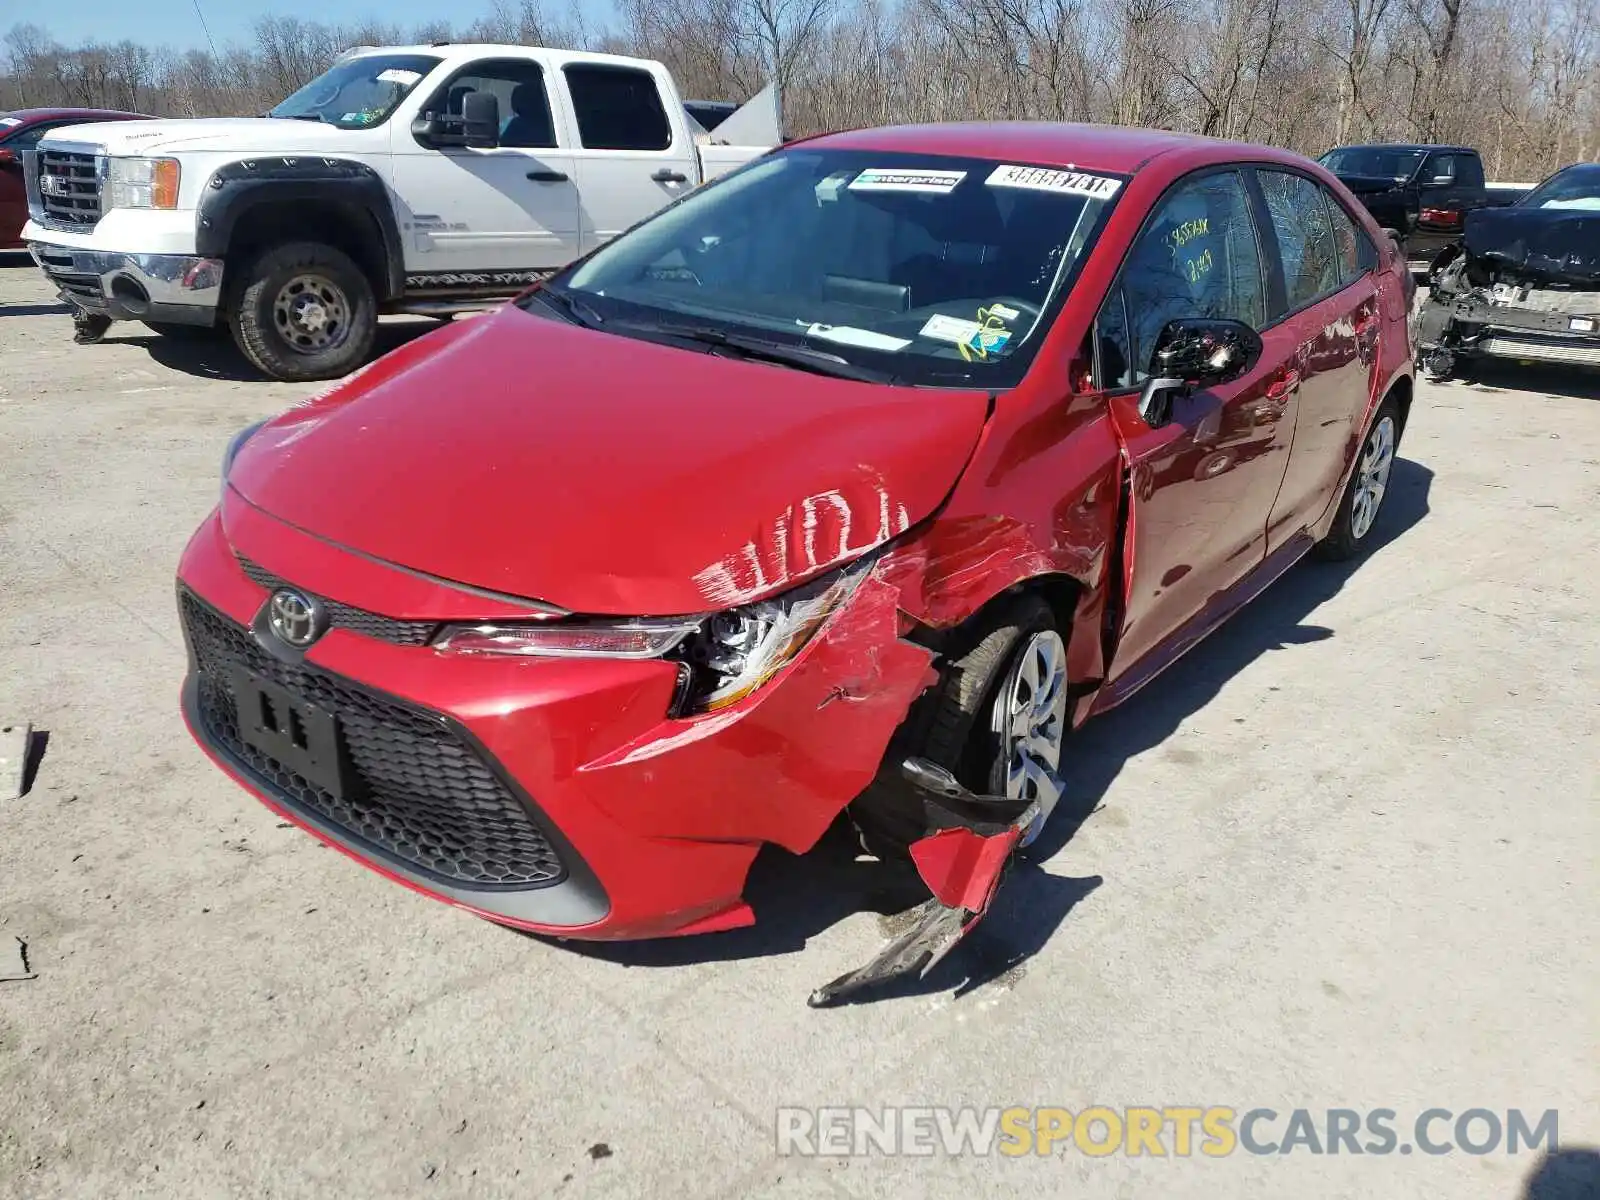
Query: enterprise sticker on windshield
[[882, 179], [1042, 179], [399, 75]]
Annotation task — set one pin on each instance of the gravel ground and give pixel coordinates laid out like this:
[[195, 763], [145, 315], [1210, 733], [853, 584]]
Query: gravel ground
[[1342, 856]]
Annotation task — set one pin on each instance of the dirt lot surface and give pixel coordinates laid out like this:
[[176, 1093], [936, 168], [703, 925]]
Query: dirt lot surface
[[1344, 856]]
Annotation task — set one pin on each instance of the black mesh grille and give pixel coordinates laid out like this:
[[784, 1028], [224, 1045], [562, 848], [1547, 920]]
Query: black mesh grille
[[356, 620], [420, 793]]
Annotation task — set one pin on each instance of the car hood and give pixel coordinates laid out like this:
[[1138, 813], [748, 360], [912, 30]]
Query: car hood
[[247, 135], [603, 474], [1545, 244]]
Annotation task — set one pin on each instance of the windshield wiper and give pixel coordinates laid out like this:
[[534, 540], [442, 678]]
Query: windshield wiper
[[801, 358], [298, 117], [577, 311]]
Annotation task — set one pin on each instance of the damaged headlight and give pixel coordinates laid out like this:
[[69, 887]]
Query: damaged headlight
[[721, 658]]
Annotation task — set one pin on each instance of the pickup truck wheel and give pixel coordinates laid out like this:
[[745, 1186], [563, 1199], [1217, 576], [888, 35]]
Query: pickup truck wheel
[[304, 311], [996, 720], [1364, 494], [185, 333]]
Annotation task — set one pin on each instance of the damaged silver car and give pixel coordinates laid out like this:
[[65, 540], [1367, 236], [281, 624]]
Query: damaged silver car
[[1522, 284]]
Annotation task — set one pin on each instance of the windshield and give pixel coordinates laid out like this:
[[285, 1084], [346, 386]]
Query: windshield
[[924, 269], [358, 92], [1575, 187], [1382, 162]]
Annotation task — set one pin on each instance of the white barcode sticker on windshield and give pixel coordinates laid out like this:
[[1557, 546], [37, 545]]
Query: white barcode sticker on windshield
[[1043, 179], [849, 335], [399, 75], [8, 122], [884, 179]]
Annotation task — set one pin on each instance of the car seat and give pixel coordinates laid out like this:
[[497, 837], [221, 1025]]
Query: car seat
[[530, 123]]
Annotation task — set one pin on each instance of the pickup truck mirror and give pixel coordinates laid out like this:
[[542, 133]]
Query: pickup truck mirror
[[477, 125], [480, 114], [1440, 180]]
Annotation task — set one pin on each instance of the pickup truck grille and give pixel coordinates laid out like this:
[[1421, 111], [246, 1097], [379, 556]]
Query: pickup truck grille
[[69, 187]]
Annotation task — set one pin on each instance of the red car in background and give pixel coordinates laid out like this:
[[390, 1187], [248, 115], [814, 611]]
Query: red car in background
[[855, 479], [21, 130]]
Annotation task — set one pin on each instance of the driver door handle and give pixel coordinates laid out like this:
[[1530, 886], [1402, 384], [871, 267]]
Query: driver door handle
[[668, 175], [547, 176]]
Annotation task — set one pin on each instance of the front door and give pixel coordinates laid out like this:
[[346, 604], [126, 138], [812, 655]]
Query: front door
[[1202, 484], [510, 209]]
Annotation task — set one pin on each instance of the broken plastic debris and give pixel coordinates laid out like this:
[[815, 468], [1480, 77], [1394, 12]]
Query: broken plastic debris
[[14, 963], [15, 739]]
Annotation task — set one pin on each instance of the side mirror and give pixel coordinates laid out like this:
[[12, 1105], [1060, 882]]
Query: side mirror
[[1441, 181], [1195, 352], [480, 114], [477, 125]]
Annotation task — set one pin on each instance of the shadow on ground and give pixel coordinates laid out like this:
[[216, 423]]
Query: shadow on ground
[[797, 898], [216, 357], [1570, 1174], [1501, 376]]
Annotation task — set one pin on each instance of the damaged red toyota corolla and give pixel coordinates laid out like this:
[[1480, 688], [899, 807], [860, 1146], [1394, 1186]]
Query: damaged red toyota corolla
[[857, 478]]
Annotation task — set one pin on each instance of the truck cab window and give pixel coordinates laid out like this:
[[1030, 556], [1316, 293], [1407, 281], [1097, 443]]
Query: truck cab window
[[518, 84], [618, 108]]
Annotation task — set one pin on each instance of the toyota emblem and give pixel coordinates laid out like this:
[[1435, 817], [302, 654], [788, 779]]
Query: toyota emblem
[[294, 617]]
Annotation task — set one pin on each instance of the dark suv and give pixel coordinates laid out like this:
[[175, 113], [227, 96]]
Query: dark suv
[[1422, 194]]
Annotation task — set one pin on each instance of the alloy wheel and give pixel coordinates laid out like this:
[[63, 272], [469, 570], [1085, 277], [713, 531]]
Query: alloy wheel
[[1372, 477], [1031, 719]]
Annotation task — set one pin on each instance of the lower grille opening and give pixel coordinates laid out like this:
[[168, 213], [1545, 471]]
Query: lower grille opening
[[418, 793]]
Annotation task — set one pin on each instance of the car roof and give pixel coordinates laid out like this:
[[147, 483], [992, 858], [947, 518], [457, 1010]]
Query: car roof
[[1114, 148], [29, 115], [1406, 146]]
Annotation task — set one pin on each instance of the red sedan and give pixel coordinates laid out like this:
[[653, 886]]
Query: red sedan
[[21, 130], [856, 479]]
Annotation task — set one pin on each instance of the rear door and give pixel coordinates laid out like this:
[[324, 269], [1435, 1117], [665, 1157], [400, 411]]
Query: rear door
[[1329, 311], [511, 209], [632, 156], [1204, 483]]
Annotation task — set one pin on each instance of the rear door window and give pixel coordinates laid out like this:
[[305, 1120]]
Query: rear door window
[[618, 108], [1357, 254], [1311, 259]]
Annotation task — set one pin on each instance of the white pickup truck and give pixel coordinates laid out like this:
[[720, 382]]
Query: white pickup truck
[[417, 179]]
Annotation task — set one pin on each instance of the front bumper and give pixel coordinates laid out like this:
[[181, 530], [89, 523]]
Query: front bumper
[[179, 288], [1470, 327], [654, 821]]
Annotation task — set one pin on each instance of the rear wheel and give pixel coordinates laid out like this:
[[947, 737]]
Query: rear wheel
[[305, 311], [1369, 484], [996, 720]]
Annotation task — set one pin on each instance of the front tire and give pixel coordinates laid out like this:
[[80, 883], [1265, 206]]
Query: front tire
[[996, 720], [1368, 486], [304, 311]]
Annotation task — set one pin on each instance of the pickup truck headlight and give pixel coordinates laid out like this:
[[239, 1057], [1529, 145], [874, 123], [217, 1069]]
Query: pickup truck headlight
[[722, 658], [142, 183]]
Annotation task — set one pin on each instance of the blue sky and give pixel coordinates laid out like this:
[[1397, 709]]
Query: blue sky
[[174, 23]]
